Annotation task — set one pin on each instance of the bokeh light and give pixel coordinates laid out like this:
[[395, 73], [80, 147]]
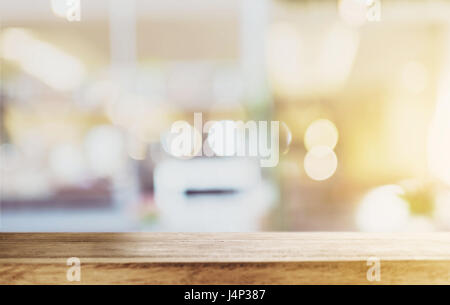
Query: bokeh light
[[59, 7], [337, 56], [104, 149], [320, 163], [284, 59], [67, 163], [51, 65], [136, 149], [321, 132], [383, 210]]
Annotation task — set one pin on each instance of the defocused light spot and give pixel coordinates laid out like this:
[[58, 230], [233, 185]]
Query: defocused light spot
[[383, 210], [42, 60], [222, 138], [99, 92], [321, 133], [337, 54], [353, 12], [136, 149], [104, 150], [414, 77], [59, 7], [67, 163], [127, 110], [283, 58], [320, 163]]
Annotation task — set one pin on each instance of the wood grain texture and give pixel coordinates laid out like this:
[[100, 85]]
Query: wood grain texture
[[224, 258]]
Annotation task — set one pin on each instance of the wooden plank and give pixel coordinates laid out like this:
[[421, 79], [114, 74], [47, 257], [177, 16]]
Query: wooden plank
[[224, 258]]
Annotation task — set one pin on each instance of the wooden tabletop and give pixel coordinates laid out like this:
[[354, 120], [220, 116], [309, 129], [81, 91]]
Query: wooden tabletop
[[225, 258]]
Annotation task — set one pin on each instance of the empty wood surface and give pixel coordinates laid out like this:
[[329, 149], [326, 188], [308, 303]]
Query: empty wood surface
[[224, 258]]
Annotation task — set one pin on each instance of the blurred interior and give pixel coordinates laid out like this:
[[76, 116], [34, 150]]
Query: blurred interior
[[86, 106]]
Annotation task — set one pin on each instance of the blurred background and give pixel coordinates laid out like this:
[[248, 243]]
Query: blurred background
[[89, 90]]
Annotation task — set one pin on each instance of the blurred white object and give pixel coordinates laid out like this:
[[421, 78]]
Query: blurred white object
[[383, 210], [320, 163], [245, 201], [104, 150], [67, 163], [41, 59]]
